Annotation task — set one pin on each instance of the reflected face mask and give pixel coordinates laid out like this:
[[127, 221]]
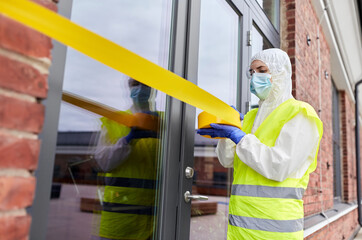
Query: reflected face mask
[[140, 93], [260, 85]]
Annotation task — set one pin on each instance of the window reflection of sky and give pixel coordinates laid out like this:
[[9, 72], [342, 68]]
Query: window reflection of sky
[[217, 69], [142, 28]]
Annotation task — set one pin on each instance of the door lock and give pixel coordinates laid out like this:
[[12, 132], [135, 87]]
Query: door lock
[[188, 197], [189, 172]]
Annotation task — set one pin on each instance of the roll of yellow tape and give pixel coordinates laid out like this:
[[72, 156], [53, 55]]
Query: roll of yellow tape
[[205, 119]]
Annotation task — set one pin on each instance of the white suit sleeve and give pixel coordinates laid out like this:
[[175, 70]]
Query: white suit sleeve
[[109, 156], [292, 154], [225, 151]]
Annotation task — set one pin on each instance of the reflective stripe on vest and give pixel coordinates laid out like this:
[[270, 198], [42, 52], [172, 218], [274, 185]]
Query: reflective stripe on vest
[[128, 208], [266, 191], [266, 224], [130, 182]]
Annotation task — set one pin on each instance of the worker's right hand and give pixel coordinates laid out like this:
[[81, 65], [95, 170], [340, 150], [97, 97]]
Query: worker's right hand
[[137, 133]]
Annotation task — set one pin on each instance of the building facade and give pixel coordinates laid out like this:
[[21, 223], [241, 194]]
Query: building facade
[[53, 180]]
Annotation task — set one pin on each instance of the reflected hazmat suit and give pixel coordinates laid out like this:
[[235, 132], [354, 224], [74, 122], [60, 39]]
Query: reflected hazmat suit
[[128, 158]]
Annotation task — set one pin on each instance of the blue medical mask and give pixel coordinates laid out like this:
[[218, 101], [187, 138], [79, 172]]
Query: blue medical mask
[[260, 85], [140, 93]]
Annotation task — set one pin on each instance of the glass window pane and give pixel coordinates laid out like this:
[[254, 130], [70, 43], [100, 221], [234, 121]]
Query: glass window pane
[[271, 9], [107, 169], [217, 73], [259, 43]]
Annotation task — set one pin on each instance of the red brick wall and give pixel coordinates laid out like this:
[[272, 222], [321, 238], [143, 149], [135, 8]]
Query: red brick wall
[[299, 20], [24, 63]]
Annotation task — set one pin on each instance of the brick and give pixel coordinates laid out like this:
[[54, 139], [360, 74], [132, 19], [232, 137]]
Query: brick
[[23, 78], [291, 28], [24, 40], [21, 115], [292, 59], [15, 227], [290, 6], [291, 36], [291, 21], [16, 192], [18, 152], [290, 14]]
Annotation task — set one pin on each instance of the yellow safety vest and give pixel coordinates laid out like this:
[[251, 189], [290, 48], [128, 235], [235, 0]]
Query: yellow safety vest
[[261, 208], [128, 209]]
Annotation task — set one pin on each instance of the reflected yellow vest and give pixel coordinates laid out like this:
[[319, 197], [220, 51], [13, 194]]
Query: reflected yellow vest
[[129, 193], [261, 208]]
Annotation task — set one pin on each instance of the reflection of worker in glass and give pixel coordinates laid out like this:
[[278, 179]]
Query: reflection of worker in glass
[[127, 157], [272, 155]]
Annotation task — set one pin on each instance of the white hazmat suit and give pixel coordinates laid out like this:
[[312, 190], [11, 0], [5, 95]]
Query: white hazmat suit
[[297, 143]]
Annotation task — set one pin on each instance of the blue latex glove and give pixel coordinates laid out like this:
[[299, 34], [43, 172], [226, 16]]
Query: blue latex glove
[[241, 115], [137, 133], [224, 131]]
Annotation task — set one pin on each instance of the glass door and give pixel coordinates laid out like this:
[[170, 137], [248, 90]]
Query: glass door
[[106, 179], [217, 74]]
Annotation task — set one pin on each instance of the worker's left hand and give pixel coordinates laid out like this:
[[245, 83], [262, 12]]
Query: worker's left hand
[[224, 131]]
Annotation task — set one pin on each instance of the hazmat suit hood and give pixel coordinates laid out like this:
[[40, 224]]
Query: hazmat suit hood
[[280, 68]]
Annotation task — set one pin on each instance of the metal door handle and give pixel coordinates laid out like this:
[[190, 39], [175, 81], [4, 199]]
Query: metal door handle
[[188, 196]]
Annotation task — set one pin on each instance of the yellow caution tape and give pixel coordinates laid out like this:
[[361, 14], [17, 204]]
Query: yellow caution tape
[[115, 56], [140, 120]]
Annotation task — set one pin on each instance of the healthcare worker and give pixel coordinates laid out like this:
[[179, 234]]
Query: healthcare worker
[[272, 155], [128, 159]]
